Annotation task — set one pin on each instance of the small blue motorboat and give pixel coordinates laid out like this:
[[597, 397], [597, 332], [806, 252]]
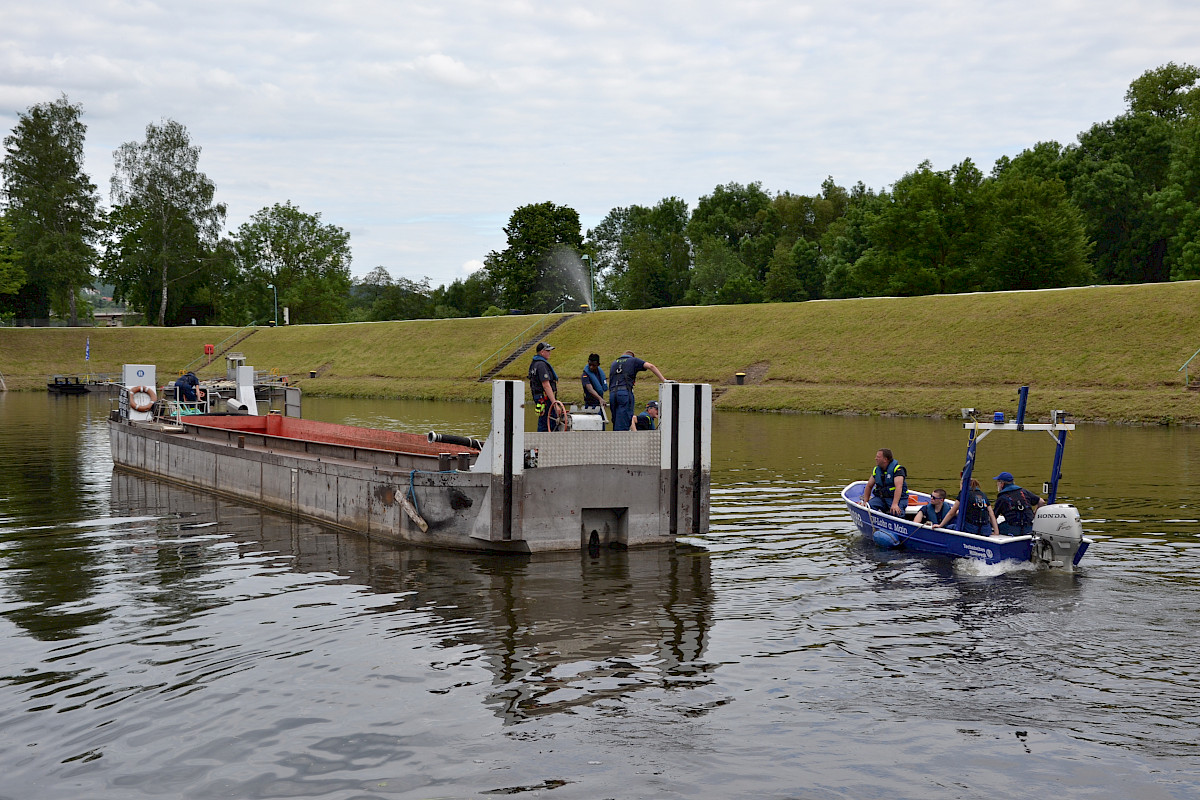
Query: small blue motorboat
[[1057, 539]]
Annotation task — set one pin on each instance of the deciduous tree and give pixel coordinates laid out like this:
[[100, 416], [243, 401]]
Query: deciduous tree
[[540, 267], [12, 277], [644, 254], [307, 261], [1169, 92], [743, 218], [1177, 205], [164, 225], [1117, 166]]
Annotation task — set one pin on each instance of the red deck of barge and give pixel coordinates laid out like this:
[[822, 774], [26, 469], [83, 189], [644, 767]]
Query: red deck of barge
[[305, 430]]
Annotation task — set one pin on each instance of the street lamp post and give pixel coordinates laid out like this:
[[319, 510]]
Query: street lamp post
[[591, 283], [276, 293]]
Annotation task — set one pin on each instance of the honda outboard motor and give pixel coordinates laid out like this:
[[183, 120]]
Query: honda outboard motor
[[1057, 535]]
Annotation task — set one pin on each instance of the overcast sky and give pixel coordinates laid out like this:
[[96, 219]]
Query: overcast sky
[[420, 126]]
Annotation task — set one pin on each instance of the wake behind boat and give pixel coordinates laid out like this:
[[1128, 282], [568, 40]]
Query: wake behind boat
[[1057, 539]]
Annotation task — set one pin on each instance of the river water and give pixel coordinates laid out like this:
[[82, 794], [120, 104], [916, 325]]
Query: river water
[[162, 643]]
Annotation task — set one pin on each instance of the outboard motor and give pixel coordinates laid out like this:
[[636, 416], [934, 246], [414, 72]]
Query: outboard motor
[[1057, 535]]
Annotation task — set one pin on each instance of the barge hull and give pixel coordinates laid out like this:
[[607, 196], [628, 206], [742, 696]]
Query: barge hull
[[548, 492]]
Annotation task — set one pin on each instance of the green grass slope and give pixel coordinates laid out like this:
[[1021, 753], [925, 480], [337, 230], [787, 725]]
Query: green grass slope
[[1103, 353]]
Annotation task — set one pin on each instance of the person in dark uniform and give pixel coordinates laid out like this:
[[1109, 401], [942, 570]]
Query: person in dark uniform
[[594, 383], [622, 375], [1018, 506], [887, 489], [648, 419], [980, 519], [543, 383], [187, 386], [935, 510]]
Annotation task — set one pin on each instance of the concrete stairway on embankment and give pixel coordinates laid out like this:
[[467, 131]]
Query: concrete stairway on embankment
[[523, 348]]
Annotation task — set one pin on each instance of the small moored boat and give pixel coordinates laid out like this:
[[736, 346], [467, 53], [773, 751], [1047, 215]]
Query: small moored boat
[[66, 384], [1057, 539]]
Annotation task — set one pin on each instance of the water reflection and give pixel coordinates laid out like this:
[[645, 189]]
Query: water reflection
[[558, 631], [49, 562], [161, 642]]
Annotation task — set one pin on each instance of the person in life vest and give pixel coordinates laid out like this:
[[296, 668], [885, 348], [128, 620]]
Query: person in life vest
[[648, 419], [935, 510], [887, 489], [622, 375], [1018, 506], [980, 519], [543, 383], [594, 383]]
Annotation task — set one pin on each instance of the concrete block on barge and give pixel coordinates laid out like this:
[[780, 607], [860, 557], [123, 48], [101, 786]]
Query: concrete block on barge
[[523, 492]]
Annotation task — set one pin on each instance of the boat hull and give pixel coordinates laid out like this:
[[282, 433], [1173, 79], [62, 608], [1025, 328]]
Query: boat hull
[[541, 492], [893, 532]]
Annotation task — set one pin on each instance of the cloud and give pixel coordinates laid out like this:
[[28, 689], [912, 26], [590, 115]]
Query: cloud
[[420, 127], [446, 70]]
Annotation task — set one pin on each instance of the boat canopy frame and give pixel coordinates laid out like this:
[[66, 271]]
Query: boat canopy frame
[[1057, 428]]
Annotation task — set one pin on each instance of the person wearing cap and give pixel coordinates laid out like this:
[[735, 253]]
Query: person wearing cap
[[594, 383], [1015, 505], [543, 383], [887, 489], [622, 375], [648, 419]]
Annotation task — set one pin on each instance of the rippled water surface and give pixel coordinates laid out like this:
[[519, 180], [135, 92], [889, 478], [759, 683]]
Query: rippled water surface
[[162, 643]]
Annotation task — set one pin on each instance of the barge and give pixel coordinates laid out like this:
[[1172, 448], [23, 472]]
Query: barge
[[515, 491]]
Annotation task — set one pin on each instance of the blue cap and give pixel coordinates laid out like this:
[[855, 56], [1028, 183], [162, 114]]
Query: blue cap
[[652, 404], [1004, 476]]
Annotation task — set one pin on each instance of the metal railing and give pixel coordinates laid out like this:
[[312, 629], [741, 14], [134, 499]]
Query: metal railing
[[508, 346], [174, 408], [1184, 369], [217, 349]]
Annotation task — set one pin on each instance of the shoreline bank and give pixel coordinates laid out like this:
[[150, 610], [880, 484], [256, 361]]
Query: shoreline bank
[[1105, 354]]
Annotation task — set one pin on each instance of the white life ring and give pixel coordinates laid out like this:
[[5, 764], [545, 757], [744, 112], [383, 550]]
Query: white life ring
[[146, 390]]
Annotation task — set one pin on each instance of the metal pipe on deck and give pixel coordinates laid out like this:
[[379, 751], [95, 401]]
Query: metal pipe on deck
[[450, 438]]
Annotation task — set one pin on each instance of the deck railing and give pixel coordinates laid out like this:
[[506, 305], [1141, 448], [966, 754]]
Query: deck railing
[[217, 349]]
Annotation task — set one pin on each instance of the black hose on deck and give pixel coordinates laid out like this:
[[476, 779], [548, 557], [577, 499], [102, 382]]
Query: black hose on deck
[[450, 438]]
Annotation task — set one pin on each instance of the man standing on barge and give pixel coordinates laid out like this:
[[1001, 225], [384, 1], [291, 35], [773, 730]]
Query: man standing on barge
[[622, 375], [594, 383], [543, 383]]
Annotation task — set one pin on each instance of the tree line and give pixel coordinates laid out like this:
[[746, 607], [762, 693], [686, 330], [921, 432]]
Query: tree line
[[160, 244], [1119, 205]]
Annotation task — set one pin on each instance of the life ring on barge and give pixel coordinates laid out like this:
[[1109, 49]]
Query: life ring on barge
[[146, 390]]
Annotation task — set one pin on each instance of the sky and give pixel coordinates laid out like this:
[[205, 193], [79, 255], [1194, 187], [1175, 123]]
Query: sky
[[419, 127]]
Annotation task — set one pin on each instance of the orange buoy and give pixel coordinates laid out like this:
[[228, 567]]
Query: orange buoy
[[148, 404]]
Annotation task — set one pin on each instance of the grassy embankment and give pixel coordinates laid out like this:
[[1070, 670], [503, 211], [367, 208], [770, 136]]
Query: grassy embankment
[[1102, 353]]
